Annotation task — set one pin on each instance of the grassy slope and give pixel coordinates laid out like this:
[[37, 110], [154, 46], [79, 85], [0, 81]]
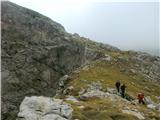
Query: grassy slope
[[108, 73]]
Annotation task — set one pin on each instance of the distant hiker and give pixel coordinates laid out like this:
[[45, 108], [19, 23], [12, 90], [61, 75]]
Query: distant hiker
[[123, 87], [141, 98], [117, 84]]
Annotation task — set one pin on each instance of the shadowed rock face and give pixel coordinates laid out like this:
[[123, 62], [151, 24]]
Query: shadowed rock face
[[36, 52]]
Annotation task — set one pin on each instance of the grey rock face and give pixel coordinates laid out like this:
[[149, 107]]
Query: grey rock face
[[44, 108], [147, 65], [36, 52]]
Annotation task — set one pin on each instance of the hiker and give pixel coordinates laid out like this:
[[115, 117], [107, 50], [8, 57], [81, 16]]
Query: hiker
[[123, 87], [141, 98], [117, 84]]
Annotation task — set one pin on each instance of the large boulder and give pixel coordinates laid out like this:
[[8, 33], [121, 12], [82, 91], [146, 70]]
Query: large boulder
[[44, 108]]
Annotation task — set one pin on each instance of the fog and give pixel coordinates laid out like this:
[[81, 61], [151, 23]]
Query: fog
[[126, 25]]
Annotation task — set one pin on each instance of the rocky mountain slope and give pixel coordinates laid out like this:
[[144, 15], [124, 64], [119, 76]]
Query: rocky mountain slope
[[40, 58], [91, 91], [36, 52]]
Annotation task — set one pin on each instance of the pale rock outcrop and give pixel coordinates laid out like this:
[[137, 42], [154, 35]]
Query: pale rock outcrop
[[151, 104], [95, 86], [94, 93], [44, 108], [111, 90], [148, 100], [72, 98], [134, 113], [95, 90], [63, 80], [106, 58], [154, 106]]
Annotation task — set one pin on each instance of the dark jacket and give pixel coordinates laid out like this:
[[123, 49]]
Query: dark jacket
[[118, 84], [123, 87]]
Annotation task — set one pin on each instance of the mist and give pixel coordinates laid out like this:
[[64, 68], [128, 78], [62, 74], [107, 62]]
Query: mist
[[126, 25]]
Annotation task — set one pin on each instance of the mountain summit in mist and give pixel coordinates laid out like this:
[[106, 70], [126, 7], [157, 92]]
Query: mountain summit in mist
[[39, 58]]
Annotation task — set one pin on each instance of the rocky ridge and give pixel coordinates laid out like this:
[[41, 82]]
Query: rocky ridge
[[93, 89]]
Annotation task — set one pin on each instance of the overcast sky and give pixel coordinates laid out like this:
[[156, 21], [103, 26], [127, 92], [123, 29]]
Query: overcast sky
[[127, 25]]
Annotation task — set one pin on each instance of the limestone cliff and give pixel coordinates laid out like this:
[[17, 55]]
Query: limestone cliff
[[36, 52]]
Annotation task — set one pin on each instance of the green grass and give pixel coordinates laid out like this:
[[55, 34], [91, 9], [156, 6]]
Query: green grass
[[108, 74], [98, 109]]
